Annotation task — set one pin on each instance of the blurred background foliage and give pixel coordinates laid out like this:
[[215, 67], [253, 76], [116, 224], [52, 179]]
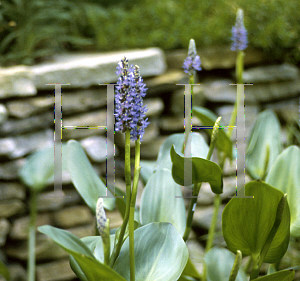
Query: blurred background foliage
[[33, 30]]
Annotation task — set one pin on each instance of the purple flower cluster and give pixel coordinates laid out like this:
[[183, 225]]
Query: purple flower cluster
[[192, 62], [239, 33], [129, 110]]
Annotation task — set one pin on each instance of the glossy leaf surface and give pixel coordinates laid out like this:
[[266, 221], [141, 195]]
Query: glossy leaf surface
[[85, 179], [285, 176], [199, 148], [160, 254], [247, 222], [163, 206], [202, 171], [263, 145], [91, 268], [219, 262], [38, 171]]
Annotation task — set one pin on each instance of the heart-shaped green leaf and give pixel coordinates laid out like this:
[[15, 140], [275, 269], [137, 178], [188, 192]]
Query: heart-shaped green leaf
[[208, 118], [219, 262], [163, 206], [160, 254], [247, 222], [284, 275], [263, 145], [202, 171], [199, 148], [85, 179], [38, 170], [285, 176], [91, 268]]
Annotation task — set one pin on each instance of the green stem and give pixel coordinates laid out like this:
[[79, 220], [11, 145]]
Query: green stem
[[191, 211], [236, 266], [248, 265], [128, 196], [212, 227], [32, 236], [137, 169]]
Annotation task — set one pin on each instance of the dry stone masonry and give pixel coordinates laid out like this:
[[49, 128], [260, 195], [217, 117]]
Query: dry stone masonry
[[26, 124]]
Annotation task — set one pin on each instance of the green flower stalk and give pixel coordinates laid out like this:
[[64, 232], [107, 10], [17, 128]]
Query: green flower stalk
[[103, 228], [130, 113]]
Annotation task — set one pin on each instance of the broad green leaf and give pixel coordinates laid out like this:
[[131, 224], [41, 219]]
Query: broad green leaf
[[199, 148], [91, 268], [4, 271], [219, 262], [247, 222], [202, 171], [263, 145], [160, 254], [285, 275], [95, 244], [208, 118], [38, 171], [159, 204], [285, 176], [190, 271], [85, 179], [147, 168]]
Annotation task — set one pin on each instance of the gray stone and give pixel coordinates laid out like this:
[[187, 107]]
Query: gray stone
[[215, 57], [19, 230], [92, 119], [4, 229], [9, 170], [155, 107], [289, 110], [19, 146], [83, 100], [11, 207], [172, 124], [203, 216], [3, 113], [115, 219], [162, 84], [83, 231], [220, 90], [177, 100], [12, 190], [30, 106], [85, 70], [270, 73], [16, 81], [46, 249], [72, 216], [95, 148], [17, 273], [53, 271], [150, 150], [33, 123], [49, 201]]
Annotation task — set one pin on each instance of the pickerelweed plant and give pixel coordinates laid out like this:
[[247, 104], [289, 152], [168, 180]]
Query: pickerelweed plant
[[150, 243]]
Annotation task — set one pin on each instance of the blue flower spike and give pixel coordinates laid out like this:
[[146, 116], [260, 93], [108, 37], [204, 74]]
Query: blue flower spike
[[239, 33], [192, 62], [129, 110]]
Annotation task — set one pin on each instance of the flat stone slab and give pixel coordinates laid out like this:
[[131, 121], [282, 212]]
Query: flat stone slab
[[85, 70]]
